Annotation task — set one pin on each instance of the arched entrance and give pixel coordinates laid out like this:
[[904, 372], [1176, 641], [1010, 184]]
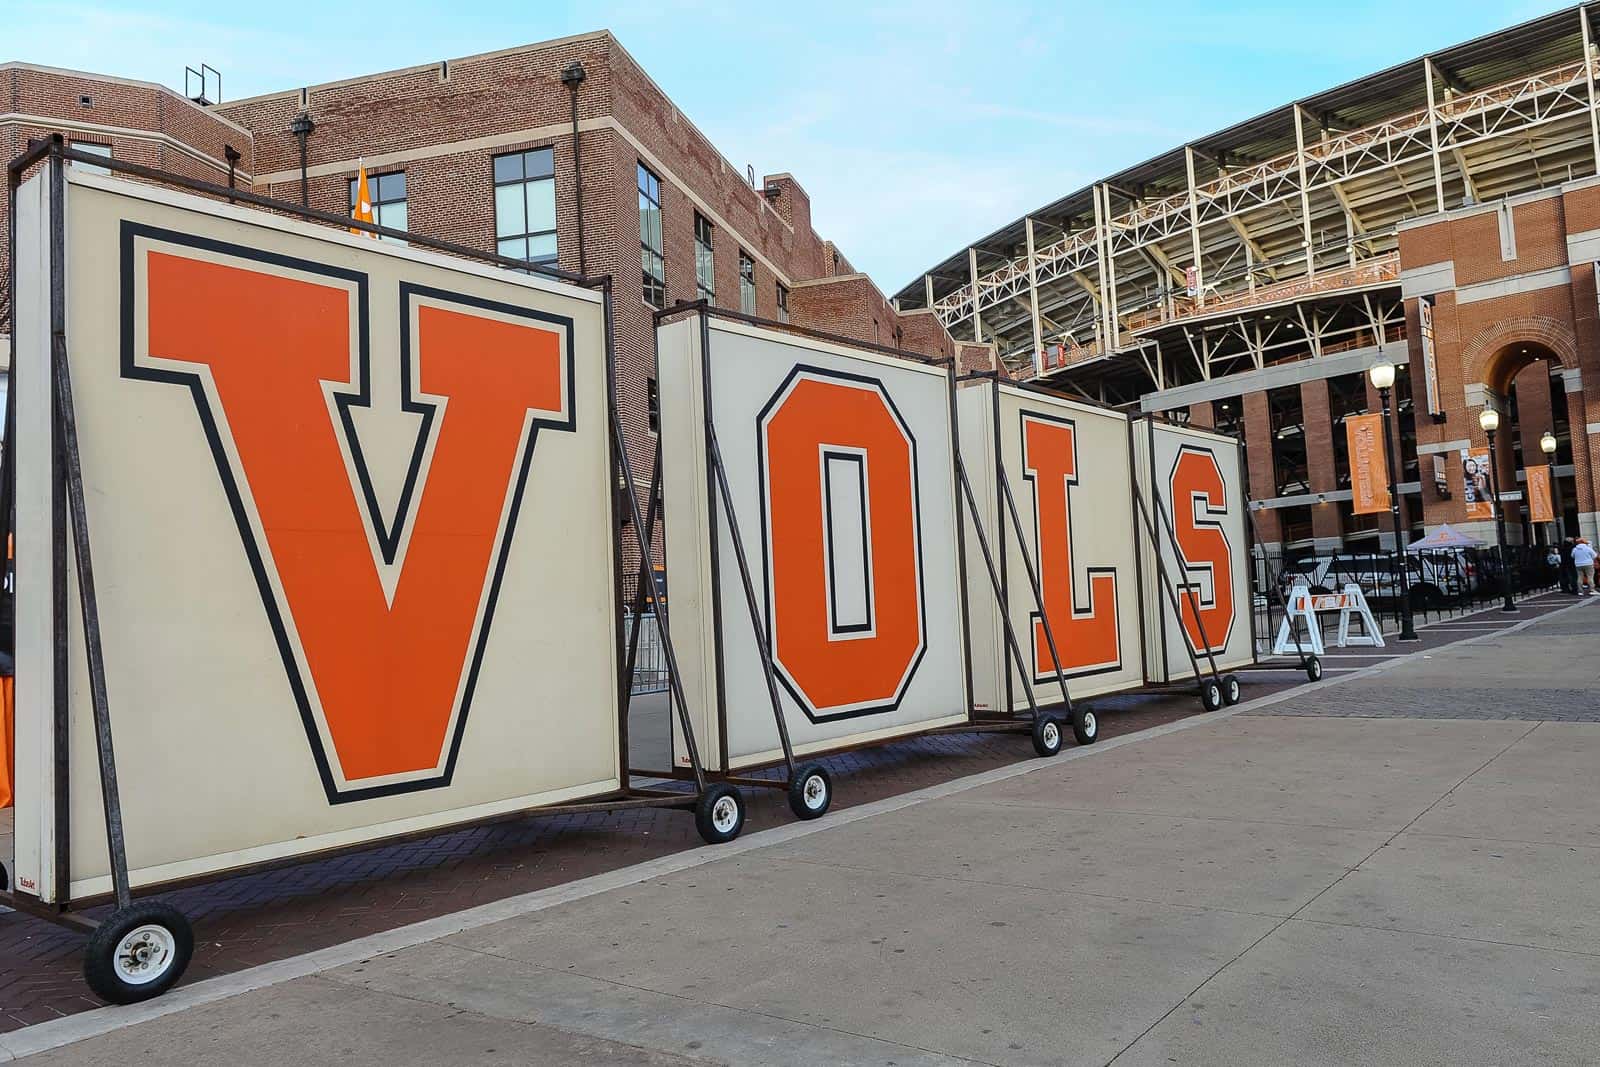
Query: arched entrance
[[1522, 379]]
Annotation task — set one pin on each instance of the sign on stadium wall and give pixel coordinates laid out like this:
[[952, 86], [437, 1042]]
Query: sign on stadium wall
[[1069, 470], [350, 530], [840, 465], [1199, 479]]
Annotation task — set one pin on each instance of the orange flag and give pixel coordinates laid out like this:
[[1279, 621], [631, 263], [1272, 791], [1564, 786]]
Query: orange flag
[[361, 210], [1540, 508]]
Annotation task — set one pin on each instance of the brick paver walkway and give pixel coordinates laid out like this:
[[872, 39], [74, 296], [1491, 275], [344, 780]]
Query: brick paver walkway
[[244, 921]]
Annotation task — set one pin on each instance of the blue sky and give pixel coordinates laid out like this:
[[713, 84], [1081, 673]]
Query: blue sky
[[915, 126]]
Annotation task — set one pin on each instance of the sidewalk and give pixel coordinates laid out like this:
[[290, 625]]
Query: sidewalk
[[1289, 884]]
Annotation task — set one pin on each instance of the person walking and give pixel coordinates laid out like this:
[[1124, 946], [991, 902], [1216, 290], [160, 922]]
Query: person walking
[[1569, 573], [1583, 557]]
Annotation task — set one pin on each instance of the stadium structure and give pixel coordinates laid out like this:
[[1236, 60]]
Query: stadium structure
[[1247, 279]]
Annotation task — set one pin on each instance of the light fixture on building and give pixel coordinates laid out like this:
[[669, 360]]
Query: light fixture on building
[[1547, 443], [1381, 374], [1489, 420]]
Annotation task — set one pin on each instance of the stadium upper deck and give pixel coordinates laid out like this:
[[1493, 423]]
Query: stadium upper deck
[[1274, 239]]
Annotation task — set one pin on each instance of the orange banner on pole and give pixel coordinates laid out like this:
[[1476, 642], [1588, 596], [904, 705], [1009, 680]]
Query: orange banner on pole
[[1540, 508], [1369, 478]]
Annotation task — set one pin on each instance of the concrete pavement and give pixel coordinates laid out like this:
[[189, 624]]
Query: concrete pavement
[[1340, 877]]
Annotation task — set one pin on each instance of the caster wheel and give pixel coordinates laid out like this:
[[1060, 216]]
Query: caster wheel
[[720, 814], [1314, 669], [1085, 726], [811, 791], [138, 953], [1047, 735], [1211, 694], [1232, 692]]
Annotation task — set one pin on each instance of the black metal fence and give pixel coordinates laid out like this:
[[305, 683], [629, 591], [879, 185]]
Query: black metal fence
[[1439, 584]]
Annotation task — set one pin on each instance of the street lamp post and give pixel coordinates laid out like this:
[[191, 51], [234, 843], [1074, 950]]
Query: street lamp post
[[1547, 445], [1382, 377], [1489, 420]]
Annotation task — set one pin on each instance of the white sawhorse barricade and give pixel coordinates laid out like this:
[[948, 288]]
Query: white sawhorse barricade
[[1303, 610]]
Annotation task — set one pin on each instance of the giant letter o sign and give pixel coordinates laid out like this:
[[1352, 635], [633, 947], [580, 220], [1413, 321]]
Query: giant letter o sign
[[1199, 501], [840, 523]]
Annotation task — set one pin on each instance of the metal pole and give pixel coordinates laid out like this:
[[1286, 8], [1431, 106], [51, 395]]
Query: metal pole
[[1408, 631], [994, 581], [573, 77], [750, 601], [1500, 527], [302, 128], [71, 473]]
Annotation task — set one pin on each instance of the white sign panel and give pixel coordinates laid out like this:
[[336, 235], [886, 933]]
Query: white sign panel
[[1204, 546], [1069, 470], [351, 532], [839, 462]]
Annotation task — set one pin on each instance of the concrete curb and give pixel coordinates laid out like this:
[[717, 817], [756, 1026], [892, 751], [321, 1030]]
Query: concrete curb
[[43, 1037]]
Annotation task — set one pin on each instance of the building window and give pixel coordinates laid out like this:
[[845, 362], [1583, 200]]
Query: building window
[[1405, 424], [747, 283], [525, 205], [652, 404], [92, 149], [655, 264], [783, 302], [1347, 395], [705, 272], [1228, 416], [388, 192], [1291, 475]]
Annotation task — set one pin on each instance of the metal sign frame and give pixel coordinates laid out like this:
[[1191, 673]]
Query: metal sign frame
[[798, 772], [709, 801]]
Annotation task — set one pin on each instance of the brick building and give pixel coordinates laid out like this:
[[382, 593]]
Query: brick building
[[1247, 280], [563, 152]]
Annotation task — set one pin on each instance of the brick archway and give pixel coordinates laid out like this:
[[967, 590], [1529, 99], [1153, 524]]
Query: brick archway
[[1491, 357]]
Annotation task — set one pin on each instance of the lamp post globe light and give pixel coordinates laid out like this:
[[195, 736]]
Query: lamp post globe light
[[1381, 374], [1489, 421]]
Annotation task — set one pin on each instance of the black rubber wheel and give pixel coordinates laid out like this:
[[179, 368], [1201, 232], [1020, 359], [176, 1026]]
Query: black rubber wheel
[[1211, 694], [719, 816], [1047, 736], [139, 952], [1314, 669], [5, 879], [810, 791], [1232, 692], [1085, 726]]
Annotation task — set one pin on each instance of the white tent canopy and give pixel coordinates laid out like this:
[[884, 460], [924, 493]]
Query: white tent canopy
[[1446, 536]]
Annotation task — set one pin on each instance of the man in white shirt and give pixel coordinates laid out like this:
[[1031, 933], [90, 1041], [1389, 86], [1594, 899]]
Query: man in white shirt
[[1583, 556]]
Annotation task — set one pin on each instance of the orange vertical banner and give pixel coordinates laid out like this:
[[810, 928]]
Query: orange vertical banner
[[1540, 508], [1369, 478], [7, 742]]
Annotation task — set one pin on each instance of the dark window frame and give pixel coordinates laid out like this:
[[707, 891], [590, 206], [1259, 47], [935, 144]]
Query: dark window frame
[[502, 176], [652, 256], [705, 259]]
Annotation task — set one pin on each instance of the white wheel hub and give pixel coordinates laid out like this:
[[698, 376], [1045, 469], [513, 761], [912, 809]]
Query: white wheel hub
[[144, 954], [815, 792], [1090, 725], [725, 814], [1052, 735]]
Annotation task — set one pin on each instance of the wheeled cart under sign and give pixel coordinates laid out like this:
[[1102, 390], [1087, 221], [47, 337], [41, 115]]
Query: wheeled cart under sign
[[315, 548], [814, 546]]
